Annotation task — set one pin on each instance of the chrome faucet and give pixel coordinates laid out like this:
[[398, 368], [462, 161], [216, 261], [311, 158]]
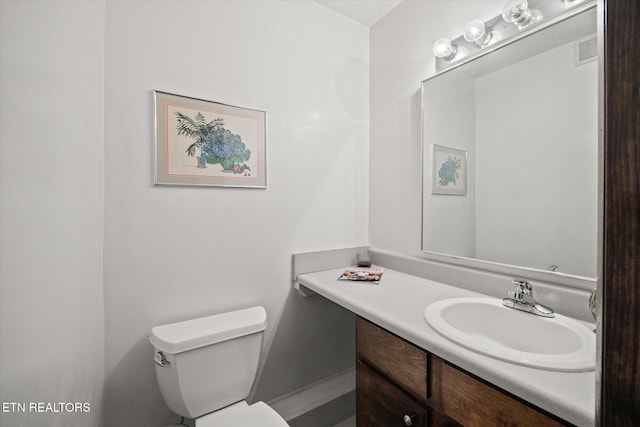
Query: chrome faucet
[[522, 299]]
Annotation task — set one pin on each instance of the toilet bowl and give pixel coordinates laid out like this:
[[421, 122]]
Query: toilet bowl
[[242, 414], [206, 367]]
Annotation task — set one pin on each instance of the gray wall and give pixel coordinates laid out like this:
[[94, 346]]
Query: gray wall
[[93, 255], [51, 210], [174, 253]]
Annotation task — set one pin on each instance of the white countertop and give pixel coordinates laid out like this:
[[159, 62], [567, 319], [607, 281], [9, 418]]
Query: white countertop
[[397, 304]]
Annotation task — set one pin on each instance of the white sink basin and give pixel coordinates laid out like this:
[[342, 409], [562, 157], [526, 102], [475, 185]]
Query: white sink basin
[[486, 326]]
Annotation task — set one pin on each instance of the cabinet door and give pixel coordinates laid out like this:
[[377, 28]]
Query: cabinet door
[[401, 362], [473, 403], [380, 403]]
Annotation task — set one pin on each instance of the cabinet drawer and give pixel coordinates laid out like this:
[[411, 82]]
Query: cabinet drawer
[[474, 403], [401, 362], [380, 403]]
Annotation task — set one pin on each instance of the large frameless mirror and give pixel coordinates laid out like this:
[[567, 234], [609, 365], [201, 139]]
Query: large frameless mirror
[[510, 153]]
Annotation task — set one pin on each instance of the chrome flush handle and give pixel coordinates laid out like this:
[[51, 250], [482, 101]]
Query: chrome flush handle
[[160, 359]]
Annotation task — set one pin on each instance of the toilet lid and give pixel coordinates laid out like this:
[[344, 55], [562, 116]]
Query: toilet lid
[[258, 414]]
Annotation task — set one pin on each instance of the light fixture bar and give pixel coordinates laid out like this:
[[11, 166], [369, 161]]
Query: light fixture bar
[[482, 37]]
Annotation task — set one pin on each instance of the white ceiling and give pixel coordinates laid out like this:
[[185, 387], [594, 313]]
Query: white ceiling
[[367, 12]]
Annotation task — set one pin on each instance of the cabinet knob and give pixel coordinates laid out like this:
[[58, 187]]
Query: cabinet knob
[[408, 420]]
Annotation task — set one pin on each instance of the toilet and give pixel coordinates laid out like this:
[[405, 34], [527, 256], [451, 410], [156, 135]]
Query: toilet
[[205, 368]]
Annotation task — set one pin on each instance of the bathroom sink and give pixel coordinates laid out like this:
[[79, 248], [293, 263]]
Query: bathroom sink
[[486, 326]]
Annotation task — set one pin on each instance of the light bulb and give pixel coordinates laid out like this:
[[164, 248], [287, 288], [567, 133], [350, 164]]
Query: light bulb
[[518, 12], [476, 32], [443, 48]]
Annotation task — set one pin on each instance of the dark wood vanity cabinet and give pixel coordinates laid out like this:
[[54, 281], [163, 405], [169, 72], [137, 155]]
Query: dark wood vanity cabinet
[[399, 384], [381, 403]]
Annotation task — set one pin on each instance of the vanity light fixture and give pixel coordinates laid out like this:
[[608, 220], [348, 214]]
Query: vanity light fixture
[[518, 12], [476, 32], [443, 48], [479, 35]]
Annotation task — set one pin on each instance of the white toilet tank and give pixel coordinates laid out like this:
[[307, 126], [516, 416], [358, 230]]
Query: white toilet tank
[[208, 363]]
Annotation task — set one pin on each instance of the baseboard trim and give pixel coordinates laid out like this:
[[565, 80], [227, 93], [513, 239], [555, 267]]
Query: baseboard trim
[[338, 388]]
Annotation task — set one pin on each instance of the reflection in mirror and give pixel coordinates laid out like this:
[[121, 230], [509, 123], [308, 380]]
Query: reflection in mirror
[[524, 117]]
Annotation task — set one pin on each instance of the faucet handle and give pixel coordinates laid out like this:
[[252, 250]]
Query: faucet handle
[[522, 287], [523, 291]]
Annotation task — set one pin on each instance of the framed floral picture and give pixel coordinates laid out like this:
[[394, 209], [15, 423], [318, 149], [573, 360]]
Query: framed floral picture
[[207, 143], [449, 171]]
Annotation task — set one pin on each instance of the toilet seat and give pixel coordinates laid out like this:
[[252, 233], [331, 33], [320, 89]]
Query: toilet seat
[[243, 415]]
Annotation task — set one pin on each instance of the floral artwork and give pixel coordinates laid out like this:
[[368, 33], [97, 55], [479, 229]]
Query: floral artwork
[[449, 171], [206, 143], [216, 144]]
